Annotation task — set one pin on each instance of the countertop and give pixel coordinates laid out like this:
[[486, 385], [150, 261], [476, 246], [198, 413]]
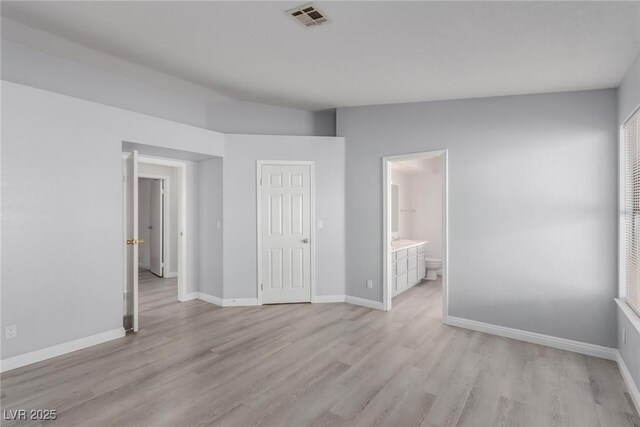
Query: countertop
[[398, 245]]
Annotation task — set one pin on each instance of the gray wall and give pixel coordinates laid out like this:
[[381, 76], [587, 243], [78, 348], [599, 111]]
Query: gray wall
[[210, 253], [28, 66], [252, 118], [62, 212], [240, 241], [628, 102], [532, 205]]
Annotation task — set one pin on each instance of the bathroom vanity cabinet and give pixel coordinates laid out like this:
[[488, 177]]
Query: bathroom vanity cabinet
[[408, 265]]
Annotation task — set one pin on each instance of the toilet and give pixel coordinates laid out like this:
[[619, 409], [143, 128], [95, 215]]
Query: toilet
[[433, 266]]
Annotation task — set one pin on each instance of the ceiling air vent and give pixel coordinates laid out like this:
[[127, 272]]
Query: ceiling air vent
[[308, 15]]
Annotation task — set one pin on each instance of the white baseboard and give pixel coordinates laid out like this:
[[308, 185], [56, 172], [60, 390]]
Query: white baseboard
[[239, 302], [188, 297], [145, 266], [59, 349], [171, 274], [364, 302], [535, 338], [231, 302], [628, 380], [247, 302], [328, 298], [210, 298]]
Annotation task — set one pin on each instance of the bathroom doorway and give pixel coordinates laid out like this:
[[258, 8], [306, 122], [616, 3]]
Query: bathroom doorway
[[415, 212]]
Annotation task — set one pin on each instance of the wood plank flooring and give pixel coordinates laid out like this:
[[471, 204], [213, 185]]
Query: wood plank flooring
[[196, 364]]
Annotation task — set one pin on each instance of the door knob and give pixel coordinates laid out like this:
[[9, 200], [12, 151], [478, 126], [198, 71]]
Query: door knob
[[133, 242], [305, 241]]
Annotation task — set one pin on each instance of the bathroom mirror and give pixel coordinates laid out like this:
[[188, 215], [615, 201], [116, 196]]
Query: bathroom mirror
[[394, 208]]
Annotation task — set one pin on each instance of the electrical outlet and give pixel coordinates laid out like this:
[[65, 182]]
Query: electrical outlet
[[624, 336], [10, 332], [369, 283], [320, 224]]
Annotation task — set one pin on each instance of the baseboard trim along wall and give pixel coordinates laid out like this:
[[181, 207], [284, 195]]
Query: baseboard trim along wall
[[59, 349], [328, 298], [231, 302], [628, 380], [246, 302], [535, 338], [171, 274], [364, 302], [188, 297]]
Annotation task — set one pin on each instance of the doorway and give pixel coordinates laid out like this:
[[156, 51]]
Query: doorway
[[415, 226], [286, 236], [153, 223], [155, 208]]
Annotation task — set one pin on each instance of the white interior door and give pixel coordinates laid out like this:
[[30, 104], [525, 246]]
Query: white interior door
[[156, 227], [132, 241], [286, 233]]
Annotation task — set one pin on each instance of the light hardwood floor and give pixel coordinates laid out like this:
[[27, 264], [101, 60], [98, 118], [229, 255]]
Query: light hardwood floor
[[194, 363]]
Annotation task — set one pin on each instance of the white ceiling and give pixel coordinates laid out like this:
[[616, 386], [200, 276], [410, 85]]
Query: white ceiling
[[371, 52]]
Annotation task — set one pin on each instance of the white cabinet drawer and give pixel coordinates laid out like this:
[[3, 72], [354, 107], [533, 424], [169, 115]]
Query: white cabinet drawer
[[412, 276], [401, 254], [413, 251], [401, 282], [401, 266], [413, 263], [422, 249]]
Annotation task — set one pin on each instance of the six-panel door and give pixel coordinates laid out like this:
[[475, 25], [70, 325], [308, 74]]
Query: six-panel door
[[286, 233]]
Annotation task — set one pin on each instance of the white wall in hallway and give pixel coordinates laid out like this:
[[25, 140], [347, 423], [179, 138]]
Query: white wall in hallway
[[427, 203], [144, 221], [173, 187], [404, 181]]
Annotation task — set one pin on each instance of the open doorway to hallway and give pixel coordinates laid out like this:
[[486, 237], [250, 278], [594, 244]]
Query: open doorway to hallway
[[155, 220], [415, 231], [151, 222]]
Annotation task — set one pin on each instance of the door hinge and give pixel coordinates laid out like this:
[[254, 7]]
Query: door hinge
[[261, 287], [260, 181]]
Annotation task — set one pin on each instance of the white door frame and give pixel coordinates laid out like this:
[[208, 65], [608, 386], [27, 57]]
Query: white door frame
[[182, 217], [312, 195], [166, 218], [387, 233]]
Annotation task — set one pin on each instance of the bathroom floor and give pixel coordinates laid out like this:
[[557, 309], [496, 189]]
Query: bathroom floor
[[427, 292]]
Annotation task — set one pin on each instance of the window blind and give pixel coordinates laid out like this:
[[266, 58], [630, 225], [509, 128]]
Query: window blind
[[632, 211]]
